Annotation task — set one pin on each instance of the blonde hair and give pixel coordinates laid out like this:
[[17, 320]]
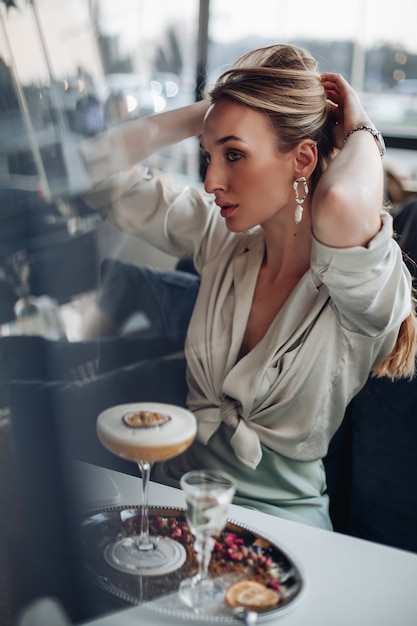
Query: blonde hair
[[282, 81], [401, 362]]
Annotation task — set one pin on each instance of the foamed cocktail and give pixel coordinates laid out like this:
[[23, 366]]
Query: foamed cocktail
[[146, 433]]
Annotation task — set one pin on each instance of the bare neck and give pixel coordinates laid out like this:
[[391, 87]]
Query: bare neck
[[287, 250]]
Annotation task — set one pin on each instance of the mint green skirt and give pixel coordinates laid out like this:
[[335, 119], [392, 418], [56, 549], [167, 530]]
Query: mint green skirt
[[280, 486]]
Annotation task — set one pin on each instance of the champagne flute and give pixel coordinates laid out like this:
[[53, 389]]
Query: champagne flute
[[208, 494], [145, 433]]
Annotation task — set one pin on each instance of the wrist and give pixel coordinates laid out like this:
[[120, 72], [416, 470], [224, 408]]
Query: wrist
[[379, 140]]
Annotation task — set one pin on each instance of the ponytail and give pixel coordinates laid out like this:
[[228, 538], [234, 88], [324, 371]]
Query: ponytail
[[401, 363]]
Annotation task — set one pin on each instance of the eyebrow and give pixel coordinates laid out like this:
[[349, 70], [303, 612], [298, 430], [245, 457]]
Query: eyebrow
[[223, 140]]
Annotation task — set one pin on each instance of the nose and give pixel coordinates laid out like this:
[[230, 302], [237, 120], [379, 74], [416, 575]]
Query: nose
[[214, 179]]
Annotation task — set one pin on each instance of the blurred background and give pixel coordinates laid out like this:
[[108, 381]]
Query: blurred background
[[70, 69]]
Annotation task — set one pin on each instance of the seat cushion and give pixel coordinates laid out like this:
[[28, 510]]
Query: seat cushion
[[383, 500]]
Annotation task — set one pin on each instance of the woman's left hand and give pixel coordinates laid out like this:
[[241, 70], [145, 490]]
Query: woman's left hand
[[346, 107]]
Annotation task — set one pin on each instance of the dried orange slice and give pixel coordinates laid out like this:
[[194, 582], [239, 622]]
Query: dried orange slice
[[251, 595]]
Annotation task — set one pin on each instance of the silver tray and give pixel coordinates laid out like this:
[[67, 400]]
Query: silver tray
[[159, 593]]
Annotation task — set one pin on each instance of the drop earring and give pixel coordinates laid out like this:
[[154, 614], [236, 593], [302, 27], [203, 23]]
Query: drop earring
[[298, 215]]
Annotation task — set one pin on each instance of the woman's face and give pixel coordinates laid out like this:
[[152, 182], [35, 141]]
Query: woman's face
[[250, 179]]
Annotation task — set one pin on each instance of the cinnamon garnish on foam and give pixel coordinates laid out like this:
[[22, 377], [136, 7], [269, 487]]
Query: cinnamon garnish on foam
[[145, 419]]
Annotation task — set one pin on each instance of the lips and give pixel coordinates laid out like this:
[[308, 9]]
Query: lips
[[226, 209]]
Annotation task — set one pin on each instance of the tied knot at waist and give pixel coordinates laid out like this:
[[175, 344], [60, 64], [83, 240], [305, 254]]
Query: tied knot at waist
[[244, 441], [229, 412]]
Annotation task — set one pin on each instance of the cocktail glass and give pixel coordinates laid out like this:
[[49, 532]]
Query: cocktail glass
[[208, 494], [146, 433]]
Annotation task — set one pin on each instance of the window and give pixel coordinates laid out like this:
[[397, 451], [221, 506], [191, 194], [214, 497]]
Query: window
[[372, 44], [95, 63]]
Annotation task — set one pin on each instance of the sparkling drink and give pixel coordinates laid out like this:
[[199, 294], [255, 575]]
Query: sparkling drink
[[207, 515], [208, 494]]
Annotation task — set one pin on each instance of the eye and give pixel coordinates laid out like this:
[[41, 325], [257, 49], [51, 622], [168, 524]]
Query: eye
[[233, 156], [205, 157]]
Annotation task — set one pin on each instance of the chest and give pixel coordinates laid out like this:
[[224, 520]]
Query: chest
[[268, 299]]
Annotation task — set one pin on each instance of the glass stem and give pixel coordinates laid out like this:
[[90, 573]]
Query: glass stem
[[204, 547], [144, 542]]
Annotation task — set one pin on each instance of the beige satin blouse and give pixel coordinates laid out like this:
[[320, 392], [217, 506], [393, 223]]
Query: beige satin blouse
[[290, 392]]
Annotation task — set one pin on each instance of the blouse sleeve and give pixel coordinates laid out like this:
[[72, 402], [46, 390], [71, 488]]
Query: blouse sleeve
[[370, 287], [146, 203]]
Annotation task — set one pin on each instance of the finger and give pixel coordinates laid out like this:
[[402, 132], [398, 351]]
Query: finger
[[333, 77], [334, 98], [334, 81]]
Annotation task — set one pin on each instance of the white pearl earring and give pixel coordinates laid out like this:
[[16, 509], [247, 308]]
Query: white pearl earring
[[298, 215]]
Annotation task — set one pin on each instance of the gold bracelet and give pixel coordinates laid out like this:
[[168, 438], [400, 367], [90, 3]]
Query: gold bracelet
[[375, 134]]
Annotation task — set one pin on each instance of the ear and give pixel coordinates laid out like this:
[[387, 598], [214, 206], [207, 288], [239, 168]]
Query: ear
[[306, 158]]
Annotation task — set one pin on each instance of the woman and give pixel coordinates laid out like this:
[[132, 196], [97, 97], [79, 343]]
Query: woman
[[303, 289]]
